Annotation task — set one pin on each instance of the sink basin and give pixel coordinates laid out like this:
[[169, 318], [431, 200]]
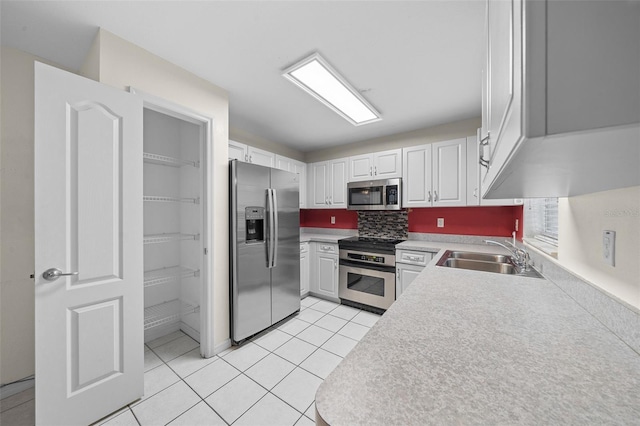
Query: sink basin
[[478, 265], [485, 257], [485, 262]]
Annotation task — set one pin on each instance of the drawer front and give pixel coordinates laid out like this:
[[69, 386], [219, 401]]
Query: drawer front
[[327, 248], [413, 257], [304, 247]]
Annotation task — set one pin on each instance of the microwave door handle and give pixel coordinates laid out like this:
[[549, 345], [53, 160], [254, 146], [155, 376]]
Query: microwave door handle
[[274, 198]]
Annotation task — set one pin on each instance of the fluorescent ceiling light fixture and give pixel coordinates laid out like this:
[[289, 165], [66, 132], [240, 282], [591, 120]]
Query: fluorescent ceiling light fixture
[[324, 83]]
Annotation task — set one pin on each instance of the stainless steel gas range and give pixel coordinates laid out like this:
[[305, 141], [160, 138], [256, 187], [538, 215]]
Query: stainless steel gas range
[[368, 272]]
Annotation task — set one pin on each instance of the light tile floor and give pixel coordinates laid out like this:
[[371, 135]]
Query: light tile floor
[[270, 380]]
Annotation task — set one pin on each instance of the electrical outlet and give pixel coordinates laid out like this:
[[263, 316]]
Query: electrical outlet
[[441, 222], [333, 220], [609, 247]]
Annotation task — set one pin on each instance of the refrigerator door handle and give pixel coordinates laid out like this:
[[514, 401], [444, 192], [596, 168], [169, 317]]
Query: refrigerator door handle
[[274, 198], [270, 240]]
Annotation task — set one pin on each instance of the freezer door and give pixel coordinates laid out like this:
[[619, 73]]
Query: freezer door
[[285, 275], [250, 276]]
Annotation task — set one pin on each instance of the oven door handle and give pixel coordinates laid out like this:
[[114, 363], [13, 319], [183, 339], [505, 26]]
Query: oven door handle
[[365, 266]]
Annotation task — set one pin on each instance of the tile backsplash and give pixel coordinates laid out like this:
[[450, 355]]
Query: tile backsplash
[[383, 224]]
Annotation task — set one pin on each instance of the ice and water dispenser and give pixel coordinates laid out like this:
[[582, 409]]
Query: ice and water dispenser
[[254, 223]]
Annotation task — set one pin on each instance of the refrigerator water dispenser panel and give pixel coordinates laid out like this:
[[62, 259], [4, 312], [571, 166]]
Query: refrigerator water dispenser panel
[[254, 222]]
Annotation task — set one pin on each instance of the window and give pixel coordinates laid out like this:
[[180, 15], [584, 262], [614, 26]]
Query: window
[[541, 219]]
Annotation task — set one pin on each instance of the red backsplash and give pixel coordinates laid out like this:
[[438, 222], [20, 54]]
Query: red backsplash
[[321, 218], [494, 221]]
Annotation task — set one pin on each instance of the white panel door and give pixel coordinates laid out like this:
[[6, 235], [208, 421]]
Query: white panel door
[[88, 220], [319, 186], [327, 270], [261, 157], [416, 176], [361, 167], [387, 164], [338, 193], [450, 173], [238, 151]]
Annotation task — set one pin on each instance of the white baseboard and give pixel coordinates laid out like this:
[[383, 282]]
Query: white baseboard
[[222, 346], [16, 387]]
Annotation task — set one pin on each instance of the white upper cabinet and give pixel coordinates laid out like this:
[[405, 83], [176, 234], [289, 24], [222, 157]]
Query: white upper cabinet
[[435, 174], [474, 176], [561, 109], [379, 165], [295, 166], [261, 157], [327, 184], [249, 154], [238, 151]]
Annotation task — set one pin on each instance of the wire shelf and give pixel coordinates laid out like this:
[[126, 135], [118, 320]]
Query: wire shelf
[[171, 199], [167, 238], [167, 275], [164, 160], [168, 312]]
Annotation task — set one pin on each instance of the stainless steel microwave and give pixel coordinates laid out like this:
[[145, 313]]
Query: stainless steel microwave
[[384, 194]]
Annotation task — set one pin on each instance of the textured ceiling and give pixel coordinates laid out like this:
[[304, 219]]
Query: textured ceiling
[[417, 62]]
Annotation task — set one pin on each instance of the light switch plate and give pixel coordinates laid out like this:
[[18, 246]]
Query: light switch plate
[[609, 247]]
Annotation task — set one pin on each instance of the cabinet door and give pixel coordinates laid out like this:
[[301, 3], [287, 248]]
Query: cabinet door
[[450, 173], [416, 176], [301, 168], [327, 273], [238, 151], [304, 271], [318, 185], [405, 274], [283, 163], [261, 157], [338, 185], [361, 167], [387, 164]]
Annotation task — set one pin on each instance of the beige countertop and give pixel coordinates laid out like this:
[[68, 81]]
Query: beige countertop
[[469, 347]]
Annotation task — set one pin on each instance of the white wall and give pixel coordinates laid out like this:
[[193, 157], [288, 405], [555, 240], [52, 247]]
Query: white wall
[[250, 139], [123, 64], [581, 221], [17, 323], [443, 132]]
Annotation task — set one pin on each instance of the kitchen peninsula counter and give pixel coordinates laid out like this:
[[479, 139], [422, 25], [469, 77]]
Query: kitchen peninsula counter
[[469, 347]]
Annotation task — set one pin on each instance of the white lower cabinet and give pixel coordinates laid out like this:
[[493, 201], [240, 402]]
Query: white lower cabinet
[[409, 264], [304, 269], [324, 271]]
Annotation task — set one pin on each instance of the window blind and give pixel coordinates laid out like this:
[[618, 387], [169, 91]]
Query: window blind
[[541, 219]]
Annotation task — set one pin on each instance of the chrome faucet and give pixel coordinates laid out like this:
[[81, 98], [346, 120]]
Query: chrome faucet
[[519, 256]]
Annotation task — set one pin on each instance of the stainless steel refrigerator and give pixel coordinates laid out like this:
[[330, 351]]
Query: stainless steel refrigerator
[[264, 247]]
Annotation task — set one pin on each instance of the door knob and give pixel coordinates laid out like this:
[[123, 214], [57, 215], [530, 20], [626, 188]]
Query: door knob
[[53, 274]]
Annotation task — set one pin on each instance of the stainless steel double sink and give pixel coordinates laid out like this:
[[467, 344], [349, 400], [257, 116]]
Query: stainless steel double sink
[[486, 262]]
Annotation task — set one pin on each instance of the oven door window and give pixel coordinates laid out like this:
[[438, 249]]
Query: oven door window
[[365, 284], [370, 196]]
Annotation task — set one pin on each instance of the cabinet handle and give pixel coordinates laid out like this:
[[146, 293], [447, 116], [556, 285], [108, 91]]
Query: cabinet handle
[[251, 158], [335, 264], [246, 158], [435, 196], [398, 274], [375, 170], [484, 142], [370, 171], [429, 198], [330, 199], [326, 199], [475, 192]]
